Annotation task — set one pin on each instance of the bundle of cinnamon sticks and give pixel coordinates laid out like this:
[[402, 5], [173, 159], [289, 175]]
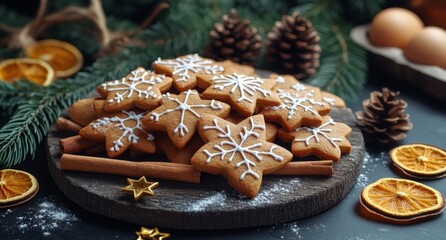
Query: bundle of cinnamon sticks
[[160, 170]]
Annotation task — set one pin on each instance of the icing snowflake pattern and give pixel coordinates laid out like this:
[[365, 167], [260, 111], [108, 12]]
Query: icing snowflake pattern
[[293, 101], [127, 132], [299, 87], [183, 107], [246, 85], [280, 80], [329, 100], [316, 131], [236, 147], [131, 86], [191, 63]]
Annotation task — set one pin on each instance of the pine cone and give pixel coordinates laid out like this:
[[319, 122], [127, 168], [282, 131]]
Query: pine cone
[[383, 119], [234, 39], [294, 46]]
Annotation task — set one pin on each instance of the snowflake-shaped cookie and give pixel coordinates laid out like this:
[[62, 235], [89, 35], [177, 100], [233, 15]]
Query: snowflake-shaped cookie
[[242, 92], [178, 115], [120, 131], [327, 141], [140, 88], [297, 108], [185, 69], [239, 152]]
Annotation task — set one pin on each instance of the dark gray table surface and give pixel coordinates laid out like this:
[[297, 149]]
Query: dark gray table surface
[[50, 215]]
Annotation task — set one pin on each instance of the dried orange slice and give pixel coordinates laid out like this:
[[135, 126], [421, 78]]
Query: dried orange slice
[[65, 58], [419, 160], [34, 70], [16, 187], [401, 200]]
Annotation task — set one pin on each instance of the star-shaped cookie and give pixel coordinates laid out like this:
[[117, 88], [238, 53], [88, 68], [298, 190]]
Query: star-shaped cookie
[[140, 88], [242, 92], [283, 81], [185, 69], [140, 187], [270, 131], [327, 141], [238, 152], [178, 115], [332, 99], [297, 107], [120, 131]]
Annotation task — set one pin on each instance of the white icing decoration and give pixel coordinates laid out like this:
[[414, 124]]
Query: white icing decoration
[[127, 131], [299, 87], [321, 130], [236, 147], [246, 85], [293, 101], [130, 85], [183, 107], [280, 79], [328, 100], [190, 63]]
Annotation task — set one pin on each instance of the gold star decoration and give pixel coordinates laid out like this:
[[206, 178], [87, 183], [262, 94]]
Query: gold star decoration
[[140, 187], [151, 234]]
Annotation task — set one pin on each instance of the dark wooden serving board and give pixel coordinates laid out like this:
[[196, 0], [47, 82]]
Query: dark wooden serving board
[[212, 204]]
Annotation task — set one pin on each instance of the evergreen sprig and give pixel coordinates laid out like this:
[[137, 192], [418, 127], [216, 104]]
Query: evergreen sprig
[[343, 64]]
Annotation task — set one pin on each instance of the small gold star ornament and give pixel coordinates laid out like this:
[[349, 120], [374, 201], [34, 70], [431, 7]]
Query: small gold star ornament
[[140, 187], [151, 234]]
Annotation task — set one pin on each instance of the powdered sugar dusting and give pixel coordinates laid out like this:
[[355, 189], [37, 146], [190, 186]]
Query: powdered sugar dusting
[[267, 195], [46, 218], [293, 230], [213, 201], [371, 163]]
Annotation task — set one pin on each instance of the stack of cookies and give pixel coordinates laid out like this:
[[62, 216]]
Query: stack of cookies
[[218, 116]]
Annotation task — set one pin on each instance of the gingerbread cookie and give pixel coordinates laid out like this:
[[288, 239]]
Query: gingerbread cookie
[[239, 152], [327, 141], [120, 131], [185, 69], [178, 115], [98, 107], [297, 108], [283, 81], [332, 99], [82, 112], [242, 92], [236, 67], [270, 131], [174, 154], [140, 88]]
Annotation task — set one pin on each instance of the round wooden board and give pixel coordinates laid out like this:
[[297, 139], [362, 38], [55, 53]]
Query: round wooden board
[[212, 204]]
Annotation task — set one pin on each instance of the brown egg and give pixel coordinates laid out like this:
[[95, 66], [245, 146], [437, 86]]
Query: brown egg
[[428, 47], [394, 27]]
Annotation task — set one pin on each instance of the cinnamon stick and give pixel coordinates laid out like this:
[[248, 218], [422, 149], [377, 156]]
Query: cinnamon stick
[[322, 167], [76, 144], [96, 150], [67, 125], [160, 170]]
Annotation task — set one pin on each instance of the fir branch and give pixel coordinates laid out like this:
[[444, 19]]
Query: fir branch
[[12, 95], [343, 64], [362, 11], [343, 67], [262, 7]]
